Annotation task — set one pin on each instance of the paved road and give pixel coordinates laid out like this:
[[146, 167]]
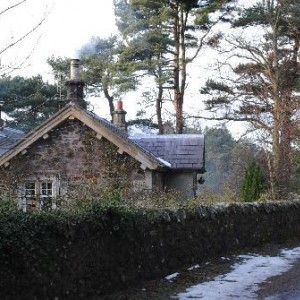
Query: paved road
[[282, 287]]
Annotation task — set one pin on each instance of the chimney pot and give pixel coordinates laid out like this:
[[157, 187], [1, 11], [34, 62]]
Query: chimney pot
[[75, 85], [75, 69], [118, 116]]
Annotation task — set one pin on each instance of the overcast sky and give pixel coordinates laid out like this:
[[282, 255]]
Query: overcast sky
[[68, 25]]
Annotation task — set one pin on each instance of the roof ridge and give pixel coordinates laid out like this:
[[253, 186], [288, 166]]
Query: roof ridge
[[85, 116]]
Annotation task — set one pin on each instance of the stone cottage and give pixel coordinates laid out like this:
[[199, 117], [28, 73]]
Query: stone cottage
[[76, 151]]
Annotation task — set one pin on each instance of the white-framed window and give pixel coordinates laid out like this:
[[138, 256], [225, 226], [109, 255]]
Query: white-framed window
[[40, 193], [47, 195]]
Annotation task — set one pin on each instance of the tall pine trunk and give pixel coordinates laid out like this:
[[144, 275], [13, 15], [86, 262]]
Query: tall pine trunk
[[179, 66], [158, 109]]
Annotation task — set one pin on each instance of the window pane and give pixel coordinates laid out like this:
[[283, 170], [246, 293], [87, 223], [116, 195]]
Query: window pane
[[46, 195], [46, 203], [31, 205], [30, 192], [29, 185], [46, 188], [29, 188]]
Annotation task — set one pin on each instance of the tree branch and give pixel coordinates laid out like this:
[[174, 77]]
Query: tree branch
[[11, 7], [23, 36], [253, 121]]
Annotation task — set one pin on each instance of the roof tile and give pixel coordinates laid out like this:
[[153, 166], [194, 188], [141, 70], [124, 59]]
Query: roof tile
[[183, 151], [8, 137]]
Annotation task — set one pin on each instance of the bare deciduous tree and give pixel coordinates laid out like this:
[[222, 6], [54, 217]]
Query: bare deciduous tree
[[5, 47], [263, 89]]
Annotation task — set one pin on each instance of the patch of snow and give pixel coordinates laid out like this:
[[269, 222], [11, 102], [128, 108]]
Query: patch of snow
[[193, 267], [6, 117], [166, 163], [225, 258], [244, 279], [172, 276]]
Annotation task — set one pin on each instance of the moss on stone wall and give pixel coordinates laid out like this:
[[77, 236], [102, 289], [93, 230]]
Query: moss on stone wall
[[84, 254]]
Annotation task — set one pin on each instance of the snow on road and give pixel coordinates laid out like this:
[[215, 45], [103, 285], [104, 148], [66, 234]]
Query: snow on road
[[244, 279]]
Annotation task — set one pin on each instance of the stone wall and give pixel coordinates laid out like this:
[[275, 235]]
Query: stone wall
[[72, 154], [85, 255], [184, 181]]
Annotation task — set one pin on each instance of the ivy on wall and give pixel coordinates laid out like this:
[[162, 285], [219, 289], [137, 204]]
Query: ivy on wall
[[83, 164]]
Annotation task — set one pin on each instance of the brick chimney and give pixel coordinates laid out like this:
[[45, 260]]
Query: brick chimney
[[1, 120], [118, 116], [75, 84]]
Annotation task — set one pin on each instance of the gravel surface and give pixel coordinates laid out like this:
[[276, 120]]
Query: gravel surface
[[283, 287]]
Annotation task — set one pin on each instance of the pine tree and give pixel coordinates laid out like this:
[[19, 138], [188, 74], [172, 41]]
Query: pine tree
[[102, 69], [264, 86], [28, 101], [159, 34]]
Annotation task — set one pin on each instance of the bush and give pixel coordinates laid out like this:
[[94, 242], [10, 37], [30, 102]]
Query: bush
[[253, 183]]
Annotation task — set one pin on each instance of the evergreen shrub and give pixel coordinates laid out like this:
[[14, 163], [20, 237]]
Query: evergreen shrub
[[253, 183]]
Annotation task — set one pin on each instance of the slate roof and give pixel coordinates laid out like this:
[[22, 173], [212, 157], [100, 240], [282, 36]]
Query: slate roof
[[124, 135], [182, 151], [175, 152], [9, 137]]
